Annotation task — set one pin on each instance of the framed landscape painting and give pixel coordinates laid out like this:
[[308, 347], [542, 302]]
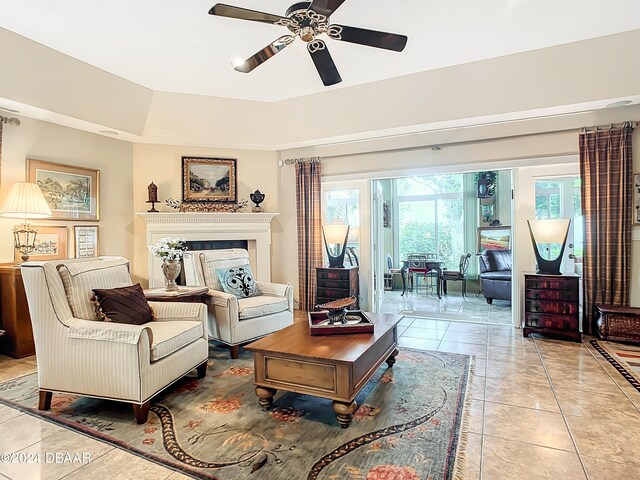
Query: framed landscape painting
[[494, 238], [51, 244], [71, 192], [209, 180]]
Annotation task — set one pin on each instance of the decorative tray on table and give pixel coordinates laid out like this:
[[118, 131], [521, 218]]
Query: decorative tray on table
[[355, 321]]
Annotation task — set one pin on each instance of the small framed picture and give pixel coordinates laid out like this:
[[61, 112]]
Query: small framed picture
[[636, 198], [51, 244], [494, 238], [209, 180], [86, 241]]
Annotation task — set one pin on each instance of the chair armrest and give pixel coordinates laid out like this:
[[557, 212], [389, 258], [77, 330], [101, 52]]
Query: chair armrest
[[108, 331], [274, 289], [277, 290], [220, 299], [176, 311]]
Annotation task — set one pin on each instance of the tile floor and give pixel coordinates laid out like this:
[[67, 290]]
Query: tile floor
[[451, 307], [541, 409]]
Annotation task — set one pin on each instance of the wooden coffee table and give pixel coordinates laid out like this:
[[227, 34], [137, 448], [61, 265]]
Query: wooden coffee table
[[329, 366]]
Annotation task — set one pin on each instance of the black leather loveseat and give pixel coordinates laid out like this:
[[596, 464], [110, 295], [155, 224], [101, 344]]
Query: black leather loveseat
[[495, 274]]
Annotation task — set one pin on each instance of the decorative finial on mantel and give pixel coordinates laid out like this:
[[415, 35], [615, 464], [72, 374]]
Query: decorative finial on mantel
[[153, 197]]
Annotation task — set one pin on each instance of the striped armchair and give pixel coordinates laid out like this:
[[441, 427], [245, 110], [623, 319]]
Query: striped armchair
[[233, 320], [78, 354]]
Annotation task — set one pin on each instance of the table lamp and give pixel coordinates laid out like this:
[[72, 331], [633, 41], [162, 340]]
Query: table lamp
[[25, 200], [549, 231], [335, 235]]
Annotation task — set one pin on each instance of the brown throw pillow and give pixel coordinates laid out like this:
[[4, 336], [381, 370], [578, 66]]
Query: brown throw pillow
[[123, 305]]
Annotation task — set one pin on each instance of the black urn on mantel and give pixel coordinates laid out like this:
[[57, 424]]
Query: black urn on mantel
[[257, 197]]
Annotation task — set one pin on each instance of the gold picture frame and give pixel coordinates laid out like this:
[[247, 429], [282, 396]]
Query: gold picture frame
[[209, 180], [51, 244], [73, 193], [86, 241]]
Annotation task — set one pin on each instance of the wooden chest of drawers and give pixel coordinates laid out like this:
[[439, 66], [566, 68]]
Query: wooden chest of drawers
[[335, 283], [552, 305]]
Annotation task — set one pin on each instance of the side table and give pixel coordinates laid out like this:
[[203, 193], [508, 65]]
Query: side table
[[187, 294]]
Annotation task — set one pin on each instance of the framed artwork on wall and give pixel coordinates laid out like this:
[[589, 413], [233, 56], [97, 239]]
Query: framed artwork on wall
[[51, 244], [71, 192], [636, 198], [494, 238], [86, 241], [209, 180]]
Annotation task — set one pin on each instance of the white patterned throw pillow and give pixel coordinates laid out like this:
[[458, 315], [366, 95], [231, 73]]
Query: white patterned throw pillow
[[238, 281]]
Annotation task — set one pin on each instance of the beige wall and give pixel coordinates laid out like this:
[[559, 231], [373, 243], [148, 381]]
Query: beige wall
[[162, 164], [53, 143]]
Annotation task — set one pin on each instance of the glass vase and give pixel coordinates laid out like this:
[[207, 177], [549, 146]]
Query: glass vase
[[171, 270]]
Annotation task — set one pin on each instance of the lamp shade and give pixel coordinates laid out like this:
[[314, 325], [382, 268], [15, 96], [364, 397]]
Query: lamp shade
[[25, 200], [550, 230], [335, 233]]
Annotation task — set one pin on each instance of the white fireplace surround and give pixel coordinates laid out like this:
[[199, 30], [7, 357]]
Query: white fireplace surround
[[255, 228]]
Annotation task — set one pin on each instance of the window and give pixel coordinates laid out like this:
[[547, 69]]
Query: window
[[561, 199], [430, 216], [548, 200]]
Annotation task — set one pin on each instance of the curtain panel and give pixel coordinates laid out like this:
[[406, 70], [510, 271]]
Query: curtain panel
[[606, 174], [309, 209]]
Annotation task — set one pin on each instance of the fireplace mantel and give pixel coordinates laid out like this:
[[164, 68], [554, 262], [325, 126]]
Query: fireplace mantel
[[253, 227], [206, 217]]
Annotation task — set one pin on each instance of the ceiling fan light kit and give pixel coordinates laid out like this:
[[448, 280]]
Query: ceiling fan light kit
[[307, 21]]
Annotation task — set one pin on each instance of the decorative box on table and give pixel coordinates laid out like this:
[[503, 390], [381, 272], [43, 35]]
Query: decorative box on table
[[356, 321]]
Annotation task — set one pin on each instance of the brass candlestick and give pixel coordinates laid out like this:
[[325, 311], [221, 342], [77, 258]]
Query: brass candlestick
[[153, 197]]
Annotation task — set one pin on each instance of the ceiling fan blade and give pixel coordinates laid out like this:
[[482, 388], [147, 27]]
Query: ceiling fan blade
[[325, 7], [265, 54], [223, 10], [323, 62], [371, 38]]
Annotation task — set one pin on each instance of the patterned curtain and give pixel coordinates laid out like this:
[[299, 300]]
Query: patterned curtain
[[309, 203], [606, 175]]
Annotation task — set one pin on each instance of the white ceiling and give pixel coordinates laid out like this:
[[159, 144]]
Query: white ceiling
[[175, 46]]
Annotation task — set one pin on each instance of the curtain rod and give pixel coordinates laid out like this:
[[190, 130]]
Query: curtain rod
[[611, 126], [295, 161], [13, 121]]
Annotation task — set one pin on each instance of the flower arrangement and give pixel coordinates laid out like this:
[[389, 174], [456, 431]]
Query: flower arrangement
[[170, 248]]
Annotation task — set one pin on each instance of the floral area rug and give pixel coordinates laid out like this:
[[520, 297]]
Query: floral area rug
[[409, 425], [625, 358]]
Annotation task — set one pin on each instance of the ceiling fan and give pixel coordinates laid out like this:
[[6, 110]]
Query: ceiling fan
[[308, 20]]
